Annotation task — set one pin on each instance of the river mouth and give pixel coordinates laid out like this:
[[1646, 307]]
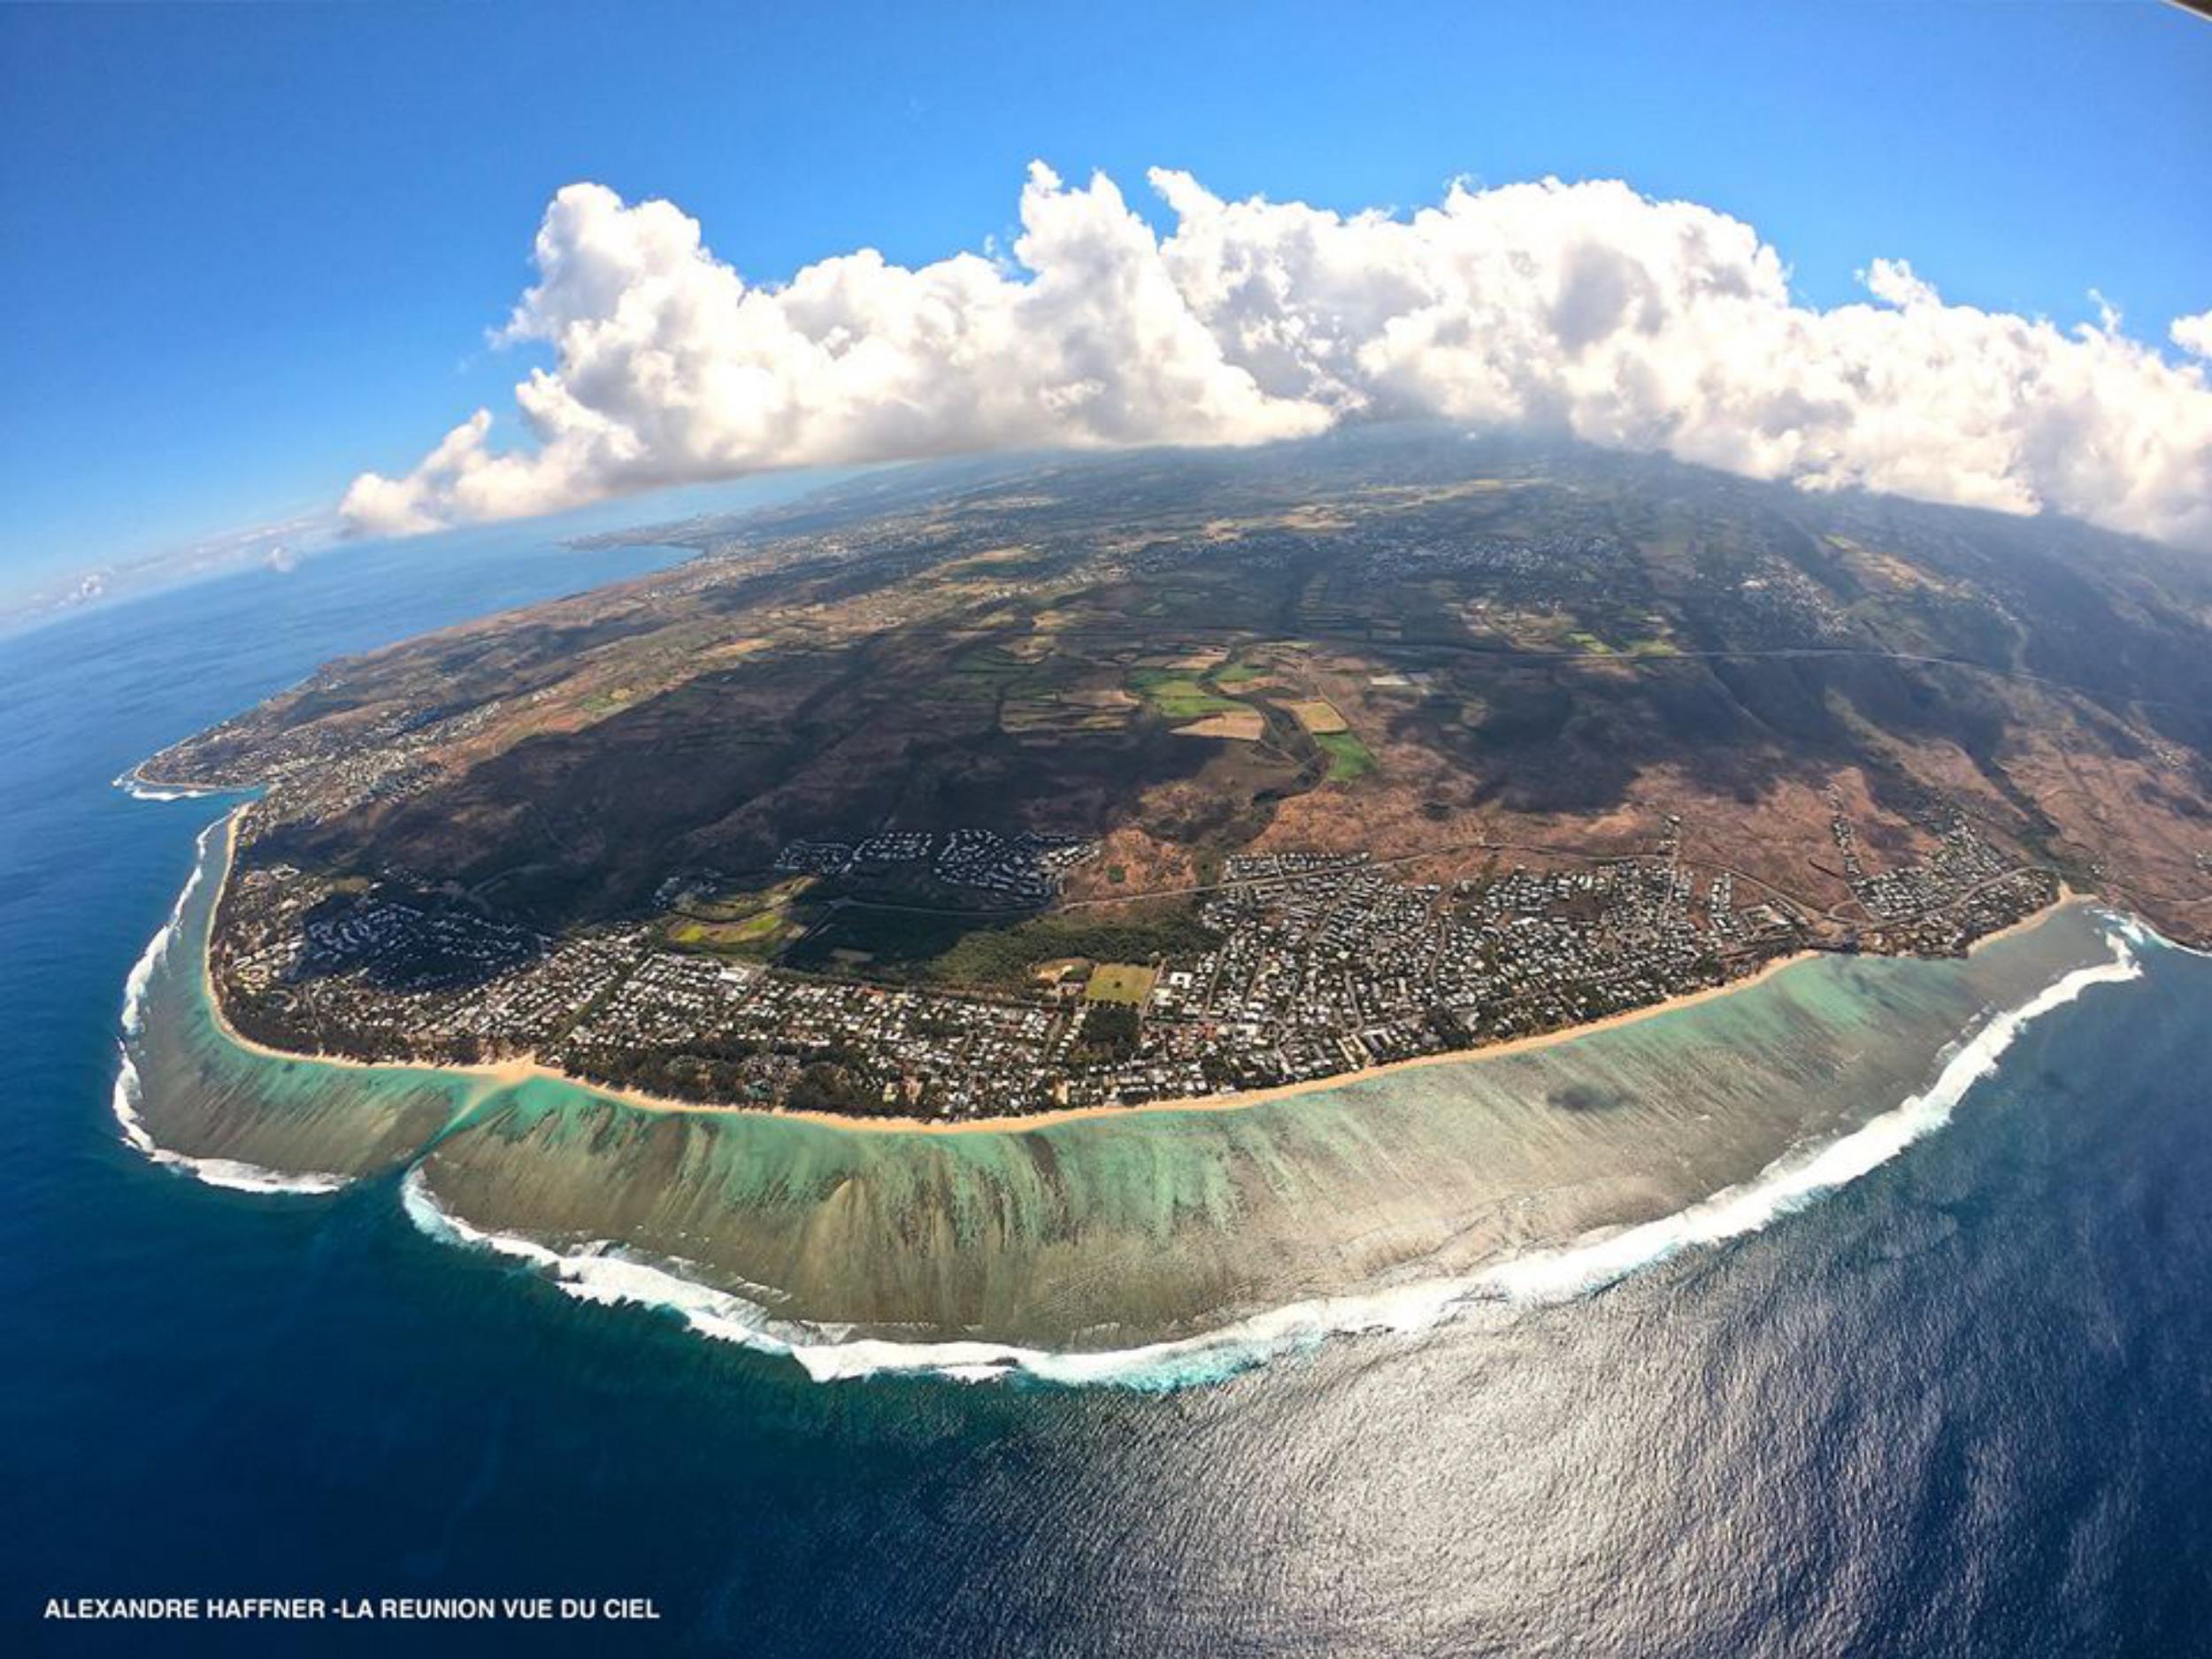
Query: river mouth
[[1155, 1246]]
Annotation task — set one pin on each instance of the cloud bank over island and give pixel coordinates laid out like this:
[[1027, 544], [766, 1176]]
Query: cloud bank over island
[[1580, 309]]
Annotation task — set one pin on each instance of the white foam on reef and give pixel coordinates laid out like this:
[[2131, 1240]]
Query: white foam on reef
[[1792, 1182], [227, 1172], [245, 1178], [2136, 931], [130, 784], [604, 1273], [142, 971]]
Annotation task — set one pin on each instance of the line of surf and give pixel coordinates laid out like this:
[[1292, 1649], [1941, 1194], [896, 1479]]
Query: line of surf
[[126, 1096], [142, 971], [226, 1172], [138, 789], [1795, 1181], [2139, 932], [604, 1273]]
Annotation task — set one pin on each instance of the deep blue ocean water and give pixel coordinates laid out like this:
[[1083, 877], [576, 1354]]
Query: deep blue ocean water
[[1961, 1407]]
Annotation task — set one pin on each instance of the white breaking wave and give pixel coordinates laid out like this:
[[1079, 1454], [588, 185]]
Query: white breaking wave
[[142, 971], [130, 785], [245, 1178], [1791, 1182], [229, 1173], [601, 1273], [2138, 931]]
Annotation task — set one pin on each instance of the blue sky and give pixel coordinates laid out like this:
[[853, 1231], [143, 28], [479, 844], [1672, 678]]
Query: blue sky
[[252, 251]]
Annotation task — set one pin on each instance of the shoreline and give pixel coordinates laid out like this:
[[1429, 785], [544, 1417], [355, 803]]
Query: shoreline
[[1588, 1254], [527, 1068]]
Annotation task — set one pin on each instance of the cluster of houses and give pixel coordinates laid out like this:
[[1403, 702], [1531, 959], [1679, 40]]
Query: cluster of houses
[[1543, 561], [1964, 887], [333, 767], [1025, 869], [1336, 966], [302, 931], [912, 1050], [1324, 965], [1320, 964], [1775, 605]]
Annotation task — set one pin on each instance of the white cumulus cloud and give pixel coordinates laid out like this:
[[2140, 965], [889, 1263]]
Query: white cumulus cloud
[[1583, 309]]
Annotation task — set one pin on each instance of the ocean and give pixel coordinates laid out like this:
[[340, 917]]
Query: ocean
[[1958, 1404]]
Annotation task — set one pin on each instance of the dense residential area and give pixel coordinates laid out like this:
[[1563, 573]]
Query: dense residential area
[[1311, 966], [1156, 776]]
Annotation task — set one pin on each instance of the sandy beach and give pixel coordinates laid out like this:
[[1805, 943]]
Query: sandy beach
[[522, 1069]]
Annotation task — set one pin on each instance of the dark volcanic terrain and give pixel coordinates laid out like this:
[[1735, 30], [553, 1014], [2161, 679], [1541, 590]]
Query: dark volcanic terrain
[[999, 787]]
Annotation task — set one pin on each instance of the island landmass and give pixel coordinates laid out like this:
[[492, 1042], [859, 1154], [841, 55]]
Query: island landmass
[[1043, 787]]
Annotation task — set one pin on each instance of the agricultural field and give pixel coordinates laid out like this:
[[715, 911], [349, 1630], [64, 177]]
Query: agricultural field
[[952, 951], [1178, 695], [1383, 641], [757, 938], [1317, 715], [1349, 759], [1239, 725]]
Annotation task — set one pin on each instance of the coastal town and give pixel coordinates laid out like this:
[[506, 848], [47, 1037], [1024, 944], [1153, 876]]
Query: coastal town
[[1136, 782], [1312, 965]]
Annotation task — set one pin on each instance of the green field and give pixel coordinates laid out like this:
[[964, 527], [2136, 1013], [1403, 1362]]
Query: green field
[[754, 925], [941, 949], [756, 938], [1127, 982], [1348, 757], [1179, 696]]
